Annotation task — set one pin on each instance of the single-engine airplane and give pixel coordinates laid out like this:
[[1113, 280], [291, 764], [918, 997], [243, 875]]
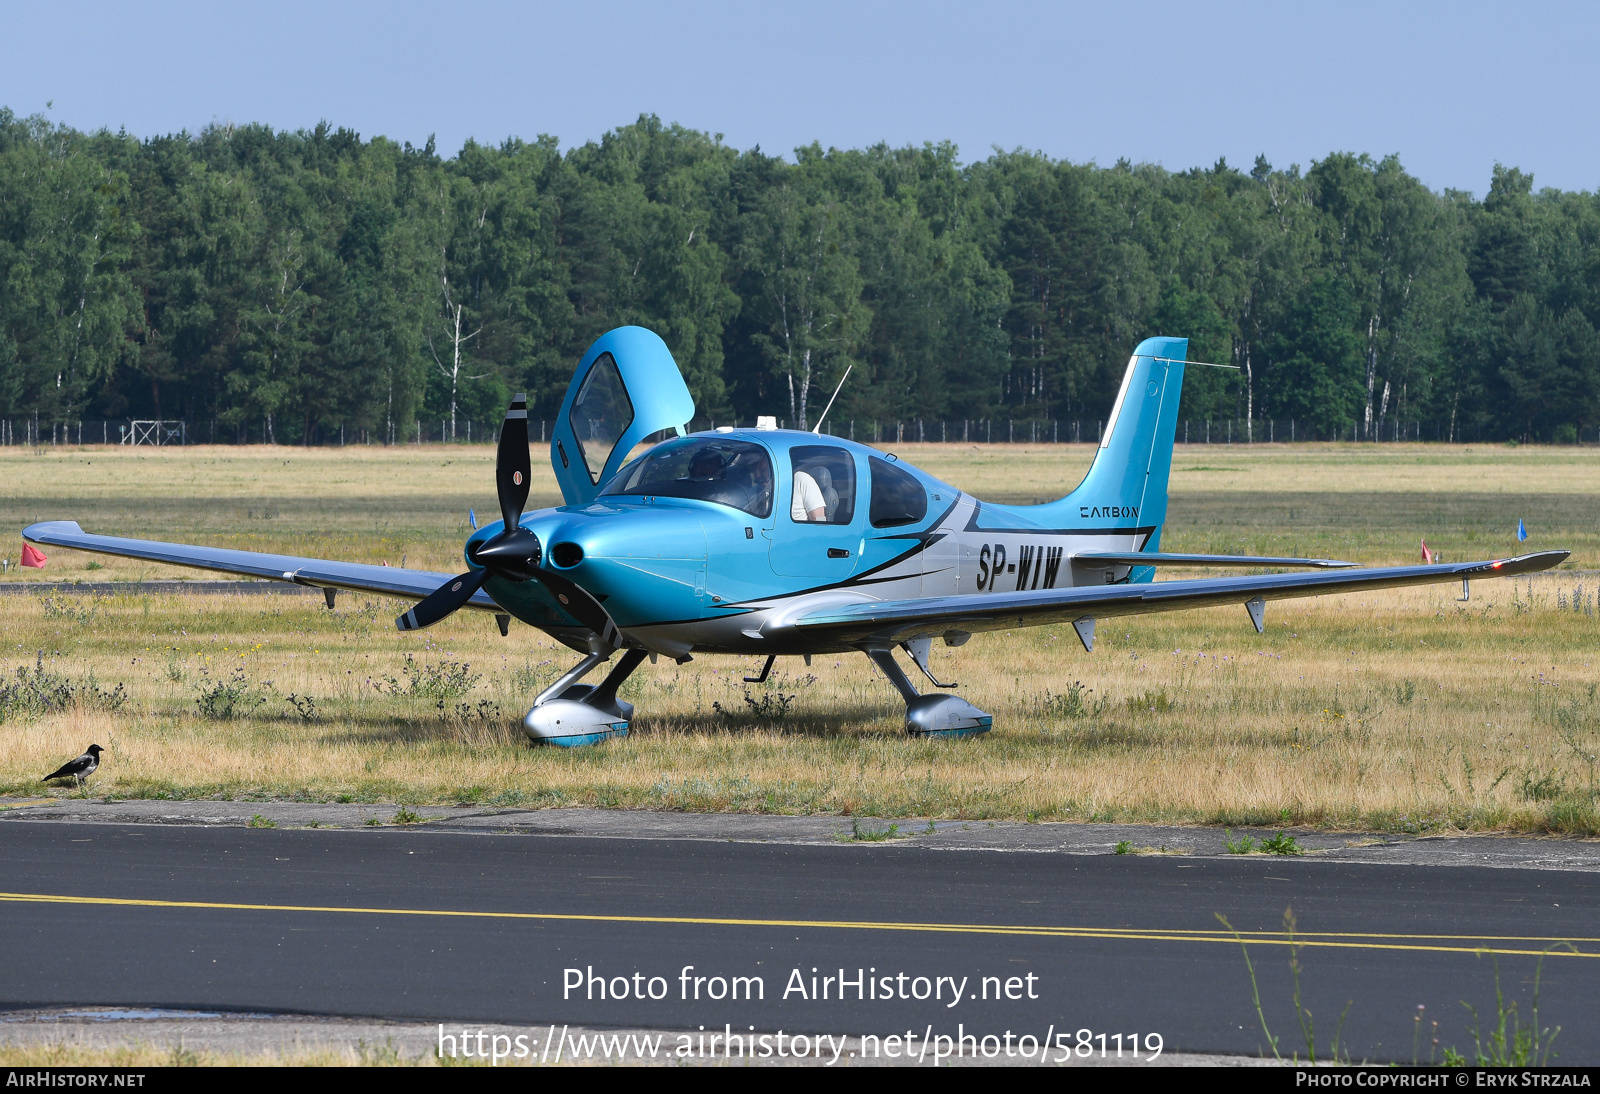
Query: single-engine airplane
[[785, 543]]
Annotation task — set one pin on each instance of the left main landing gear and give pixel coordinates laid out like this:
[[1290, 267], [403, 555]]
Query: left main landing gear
[[931, 715], [568, 714]]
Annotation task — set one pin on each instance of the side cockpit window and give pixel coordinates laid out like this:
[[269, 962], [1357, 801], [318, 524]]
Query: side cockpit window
[[897, 497], [600, 414], [824, 485], [727, 472]]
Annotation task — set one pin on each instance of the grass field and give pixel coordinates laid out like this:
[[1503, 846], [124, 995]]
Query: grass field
[[1400, 711]]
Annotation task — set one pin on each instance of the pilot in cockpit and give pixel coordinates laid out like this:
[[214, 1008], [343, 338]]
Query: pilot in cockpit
[[760, 473], [706, 465]]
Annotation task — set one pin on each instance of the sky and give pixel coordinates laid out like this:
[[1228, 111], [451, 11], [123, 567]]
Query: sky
[[1451, 88]]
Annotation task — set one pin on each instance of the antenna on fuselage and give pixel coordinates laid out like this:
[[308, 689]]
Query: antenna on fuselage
[[824, 414]]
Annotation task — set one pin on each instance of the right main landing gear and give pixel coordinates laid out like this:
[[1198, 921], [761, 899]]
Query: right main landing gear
[[931, 715], [568, 714]]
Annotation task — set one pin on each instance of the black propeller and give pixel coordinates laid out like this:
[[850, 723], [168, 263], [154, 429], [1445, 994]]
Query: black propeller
[[582, 606], [512, 466], [442, 601], [515, 553]]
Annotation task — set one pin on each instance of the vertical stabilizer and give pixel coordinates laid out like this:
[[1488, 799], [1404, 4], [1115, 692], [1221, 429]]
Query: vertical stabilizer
[[1126, 487]]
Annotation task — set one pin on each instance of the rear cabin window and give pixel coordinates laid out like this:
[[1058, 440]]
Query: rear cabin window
[[897, 498], [824, 485]]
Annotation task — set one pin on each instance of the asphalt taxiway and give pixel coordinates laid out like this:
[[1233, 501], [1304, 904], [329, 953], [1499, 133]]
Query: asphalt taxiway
[[479, 915]]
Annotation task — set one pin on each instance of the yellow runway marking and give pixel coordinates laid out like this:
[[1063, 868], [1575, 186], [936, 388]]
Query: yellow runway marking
[[1532, 946]]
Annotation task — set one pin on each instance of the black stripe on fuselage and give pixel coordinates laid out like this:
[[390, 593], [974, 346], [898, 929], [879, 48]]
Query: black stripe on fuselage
[[925, 539]]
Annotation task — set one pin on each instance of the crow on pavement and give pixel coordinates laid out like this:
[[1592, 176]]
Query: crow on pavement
[[79, 769]]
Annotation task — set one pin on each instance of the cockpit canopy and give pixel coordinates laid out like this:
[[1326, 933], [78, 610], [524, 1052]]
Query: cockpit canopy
[[626, 388], [721, 470]]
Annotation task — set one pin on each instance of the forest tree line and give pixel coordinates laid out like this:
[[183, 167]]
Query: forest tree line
[[282, 285]]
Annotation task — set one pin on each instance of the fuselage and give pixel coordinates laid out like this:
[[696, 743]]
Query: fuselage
[[681, 574]]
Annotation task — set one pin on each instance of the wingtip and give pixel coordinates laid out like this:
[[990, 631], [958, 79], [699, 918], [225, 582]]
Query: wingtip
[[1532, 562], [39, 529], [1549, 558]]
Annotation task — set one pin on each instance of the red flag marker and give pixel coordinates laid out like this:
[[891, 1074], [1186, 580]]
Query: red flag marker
[[32, 556]]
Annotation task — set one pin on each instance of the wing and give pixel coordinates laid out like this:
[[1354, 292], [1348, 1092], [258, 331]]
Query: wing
[[316, 572], [81, 765], [903, 620]]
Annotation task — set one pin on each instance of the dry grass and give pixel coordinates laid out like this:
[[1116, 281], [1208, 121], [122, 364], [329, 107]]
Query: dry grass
[[1405, 711]]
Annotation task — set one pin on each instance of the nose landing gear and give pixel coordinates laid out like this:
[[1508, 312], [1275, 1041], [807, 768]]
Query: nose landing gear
[[568, 714]]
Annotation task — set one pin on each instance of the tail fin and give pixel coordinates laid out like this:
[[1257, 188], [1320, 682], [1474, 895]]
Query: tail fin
[[1126, 486]]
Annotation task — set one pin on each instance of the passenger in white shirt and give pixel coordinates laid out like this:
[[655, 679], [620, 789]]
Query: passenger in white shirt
[[808, 503]]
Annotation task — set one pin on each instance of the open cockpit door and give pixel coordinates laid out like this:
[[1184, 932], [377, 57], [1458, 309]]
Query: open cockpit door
[[626, 388]]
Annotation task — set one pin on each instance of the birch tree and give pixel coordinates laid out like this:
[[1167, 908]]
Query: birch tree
[[456, 347], [811, 305]]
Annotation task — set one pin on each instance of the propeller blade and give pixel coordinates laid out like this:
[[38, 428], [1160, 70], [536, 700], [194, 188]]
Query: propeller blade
[[515, 553], [513, 467], [442, 601], [582, 607]]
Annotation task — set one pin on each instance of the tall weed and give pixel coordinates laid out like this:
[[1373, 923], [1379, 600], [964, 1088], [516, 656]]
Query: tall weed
[[39, 691]]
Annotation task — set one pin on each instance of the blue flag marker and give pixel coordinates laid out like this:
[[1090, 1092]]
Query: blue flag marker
[[1522, 533], [474, 518]]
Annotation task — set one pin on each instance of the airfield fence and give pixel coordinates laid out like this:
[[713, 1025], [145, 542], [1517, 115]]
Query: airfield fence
[[32, 432]]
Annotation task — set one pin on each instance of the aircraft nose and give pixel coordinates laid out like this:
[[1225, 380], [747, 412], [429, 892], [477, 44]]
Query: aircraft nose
[[566, 554], [514, 554]]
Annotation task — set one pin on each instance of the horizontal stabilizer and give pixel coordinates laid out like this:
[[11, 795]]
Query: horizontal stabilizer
[[1160, 558]]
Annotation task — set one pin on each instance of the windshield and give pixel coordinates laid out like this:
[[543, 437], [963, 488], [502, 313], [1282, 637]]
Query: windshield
[[728, 472]]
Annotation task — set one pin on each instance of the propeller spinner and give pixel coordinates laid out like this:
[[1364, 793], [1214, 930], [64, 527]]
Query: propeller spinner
[[515, 553]]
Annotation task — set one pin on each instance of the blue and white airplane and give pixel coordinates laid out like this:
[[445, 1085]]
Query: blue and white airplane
[[785, 543]]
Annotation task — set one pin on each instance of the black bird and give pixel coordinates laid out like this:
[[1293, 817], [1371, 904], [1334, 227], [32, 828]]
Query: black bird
[[79, 769]]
